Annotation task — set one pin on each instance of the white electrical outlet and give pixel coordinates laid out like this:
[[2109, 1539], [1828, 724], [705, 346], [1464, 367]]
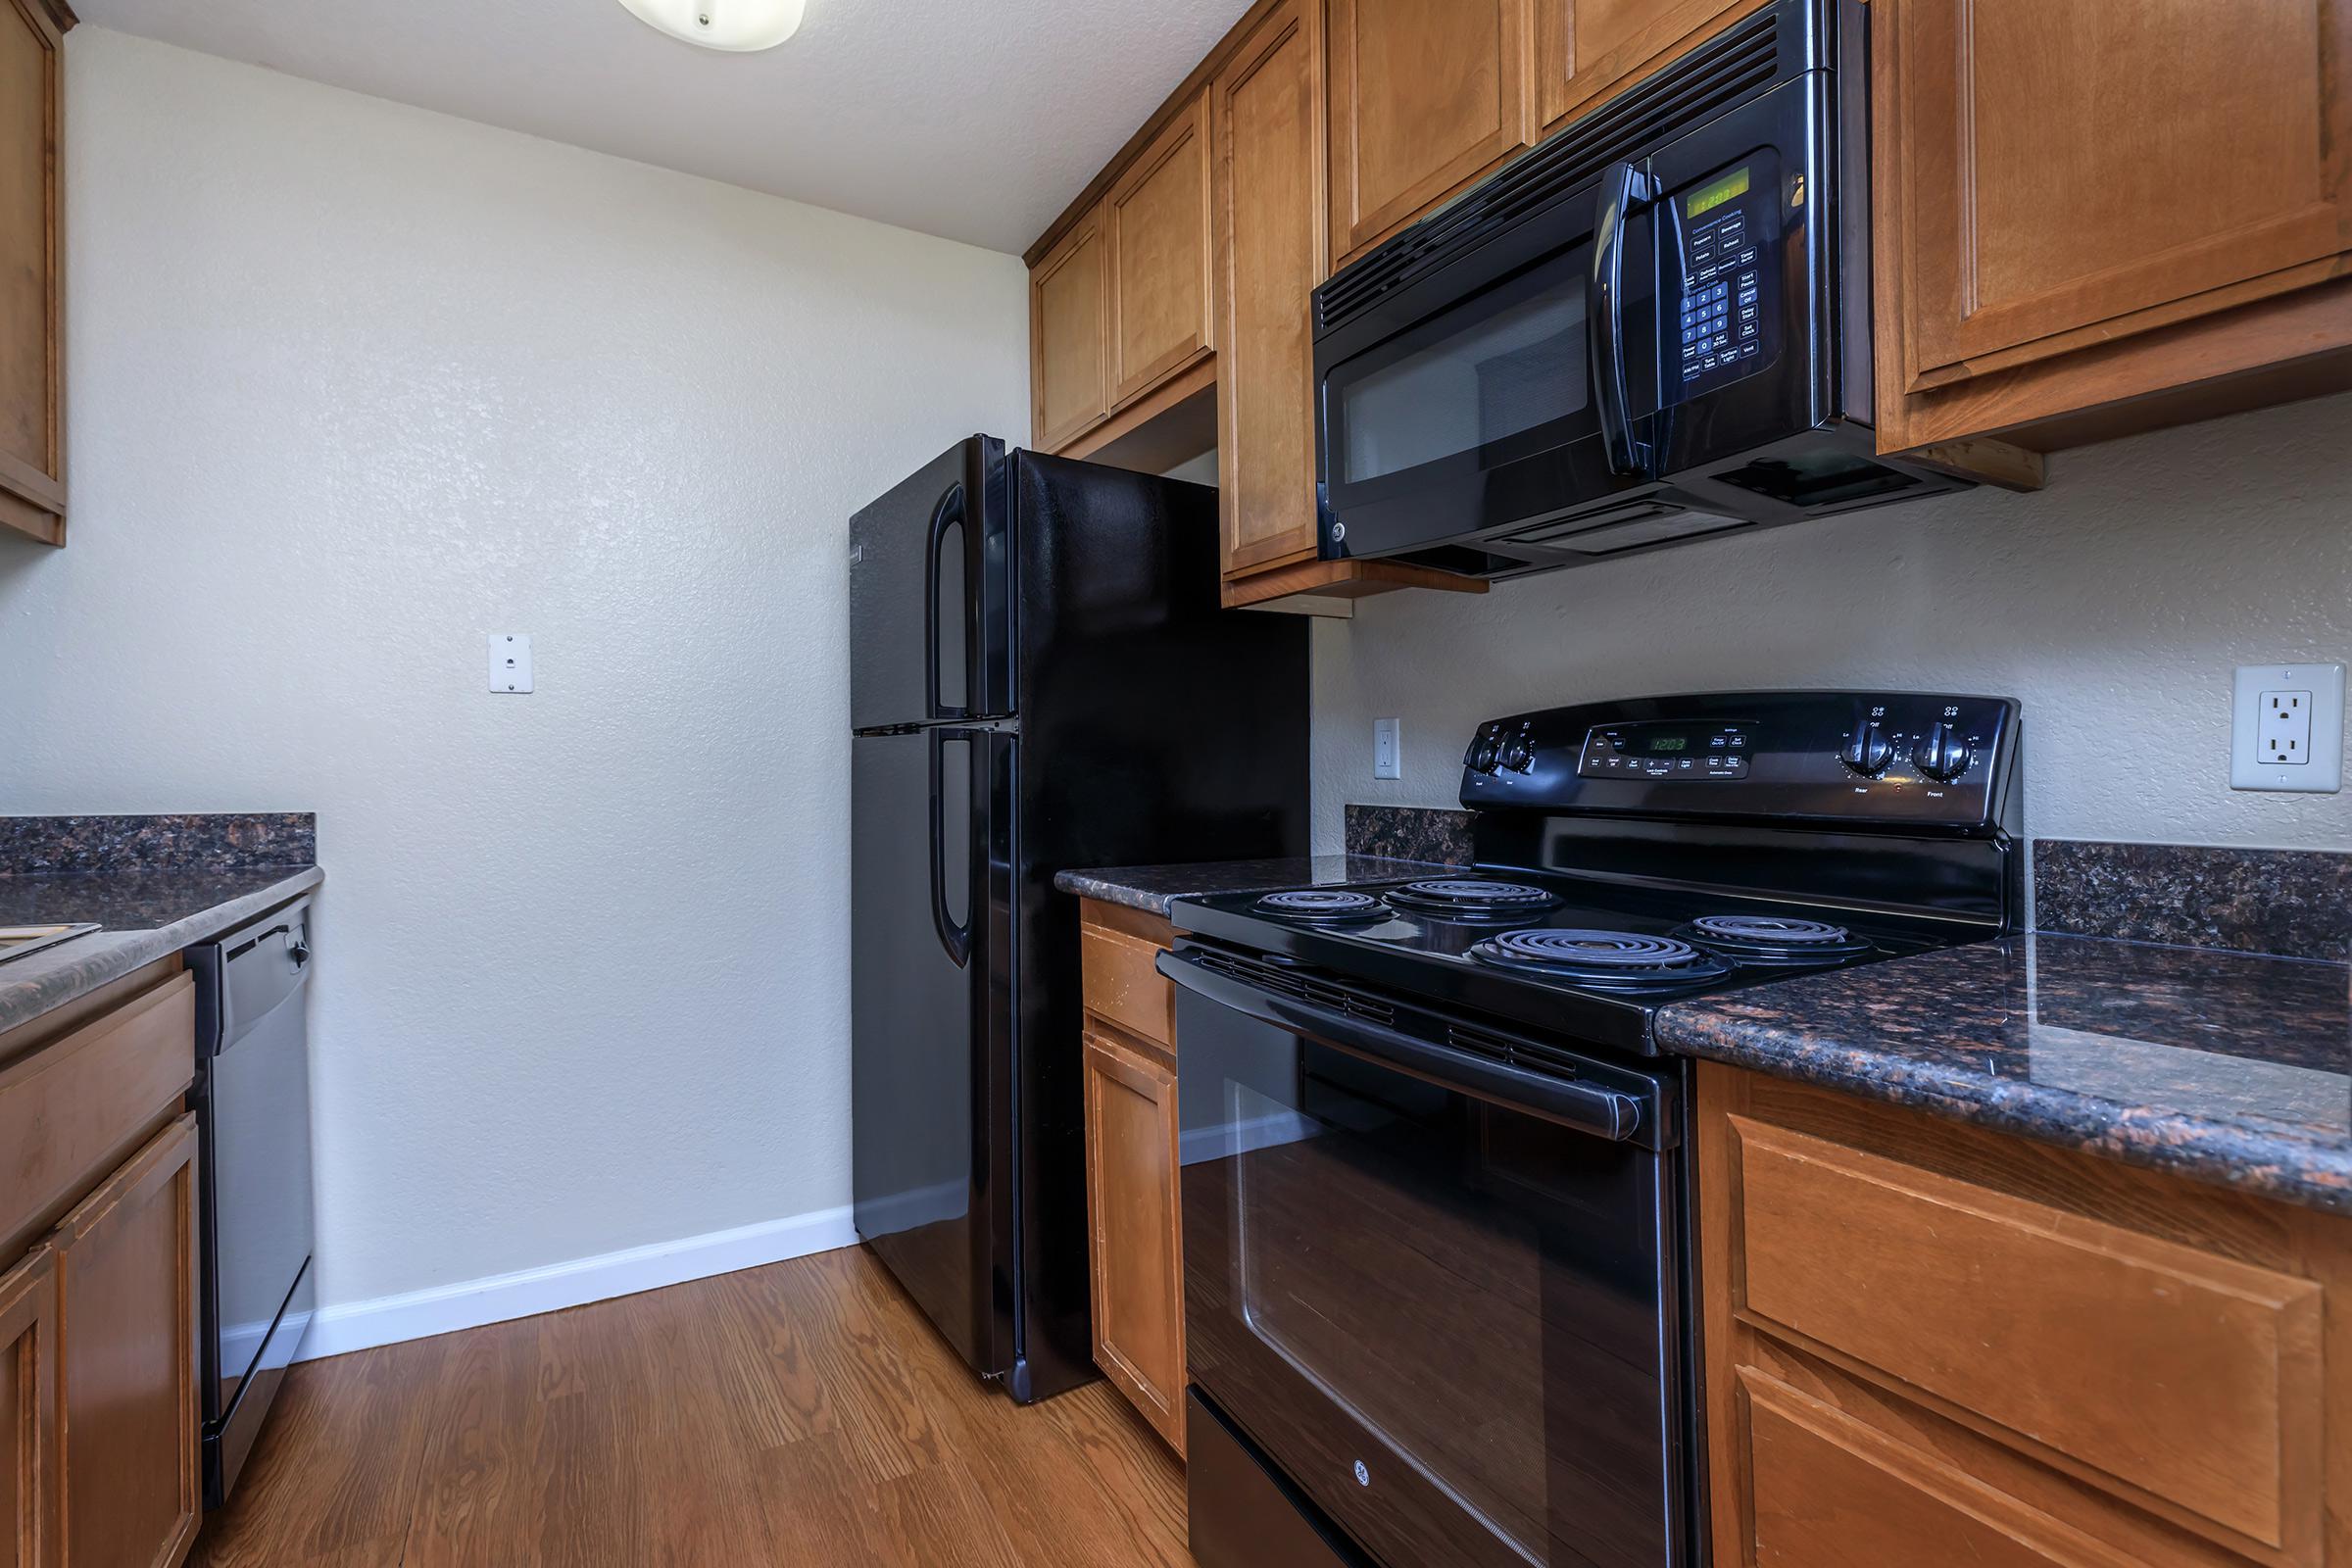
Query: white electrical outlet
[[2286, 728], [1388, 748], [510, 662]]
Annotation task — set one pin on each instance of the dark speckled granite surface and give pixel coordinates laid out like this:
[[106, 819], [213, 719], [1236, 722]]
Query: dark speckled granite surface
[[2296, 902], [186, 841], [2229, 1067], [1150, 887], [155, 884], [1409, 833]]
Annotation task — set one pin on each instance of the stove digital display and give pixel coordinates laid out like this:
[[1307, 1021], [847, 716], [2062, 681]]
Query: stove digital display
[[1679, 751], [1669, 743]]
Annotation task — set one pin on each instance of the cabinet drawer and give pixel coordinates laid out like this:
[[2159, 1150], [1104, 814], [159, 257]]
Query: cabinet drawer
[[2044, 1328], [1122, 985], [1833, 1493], [71, 1109]]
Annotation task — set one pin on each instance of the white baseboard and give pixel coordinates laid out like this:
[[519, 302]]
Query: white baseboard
[[470, 1304]]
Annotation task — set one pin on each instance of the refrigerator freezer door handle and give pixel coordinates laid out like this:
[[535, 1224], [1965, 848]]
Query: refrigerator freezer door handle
[[956, 939], [949, 514]]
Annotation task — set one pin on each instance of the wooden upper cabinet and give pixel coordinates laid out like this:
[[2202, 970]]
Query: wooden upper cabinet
[[1426, 95], [1270, 251], [127, 1348], [1155, 222], [28, 1453], [2057, 183], [1069, 324], [1587, 49], [33, 392]]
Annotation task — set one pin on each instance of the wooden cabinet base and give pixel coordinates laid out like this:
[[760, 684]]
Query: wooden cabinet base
[[29, 1425], [1340, 579], [1933, 1344], [126, 1383]]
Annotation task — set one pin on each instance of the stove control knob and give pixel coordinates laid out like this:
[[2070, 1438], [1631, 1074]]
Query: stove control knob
[[1481, 755], [1869, 753], [1941, 753], [1515, 755]]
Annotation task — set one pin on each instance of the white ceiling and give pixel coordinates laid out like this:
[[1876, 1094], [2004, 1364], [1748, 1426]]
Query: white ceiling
[[978, 120]]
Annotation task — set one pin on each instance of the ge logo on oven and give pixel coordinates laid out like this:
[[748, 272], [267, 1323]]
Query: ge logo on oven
[[1363, 1474]]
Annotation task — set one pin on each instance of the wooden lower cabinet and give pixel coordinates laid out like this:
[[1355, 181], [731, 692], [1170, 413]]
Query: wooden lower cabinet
[[1135, 1221], [1931, 1345], [127, 1362], [28, 1455], [98, 1349]]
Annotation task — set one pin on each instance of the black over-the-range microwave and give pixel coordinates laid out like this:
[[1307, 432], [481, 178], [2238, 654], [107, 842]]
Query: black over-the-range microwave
[[1652, 329]]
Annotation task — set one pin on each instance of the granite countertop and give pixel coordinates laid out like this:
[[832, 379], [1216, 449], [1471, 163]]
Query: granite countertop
[[1149, 888], [2229, 1067], [147, 914]]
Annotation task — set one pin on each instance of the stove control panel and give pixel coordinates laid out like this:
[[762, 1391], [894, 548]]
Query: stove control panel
[[1898, 758], [1665, 751]]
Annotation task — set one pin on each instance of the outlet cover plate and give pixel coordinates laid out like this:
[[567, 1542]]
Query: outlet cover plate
[[1388, 748], [2324, 774]]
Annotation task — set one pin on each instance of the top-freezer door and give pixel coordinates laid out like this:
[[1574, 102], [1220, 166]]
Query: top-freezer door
[[929, 601]]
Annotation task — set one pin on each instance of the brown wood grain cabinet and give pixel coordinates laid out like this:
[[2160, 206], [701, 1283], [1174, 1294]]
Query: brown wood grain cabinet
[[33, 347], [29, 1454], [1155, 221], [1936, 1345], [1069, 337], [1426, 96], [98, 1349], [1270, 249], [1134, 1221], [2085, 212], [1587, 49], [127, 1362]]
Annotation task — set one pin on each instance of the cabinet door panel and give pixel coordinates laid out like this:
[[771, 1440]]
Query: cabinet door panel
[[1586, 49], [1270, 249], [1156, 221], [1425, 94], [2072, 173], [1832, 1493], [1138, 1266], [1069, 364], [32, 445], [28, 1453], [127, 1361]]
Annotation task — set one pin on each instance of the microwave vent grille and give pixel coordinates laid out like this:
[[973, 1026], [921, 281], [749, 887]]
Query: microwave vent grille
[[1687, 93]]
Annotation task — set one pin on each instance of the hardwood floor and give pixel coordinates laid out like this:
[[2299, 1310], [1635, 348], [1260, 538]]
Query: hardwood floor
[[799, 1414]]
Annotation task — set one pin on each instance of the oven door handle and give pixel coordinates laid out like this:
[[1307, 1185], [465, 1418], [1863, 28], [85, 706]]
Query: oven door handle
[[1587, 1108], [1624, 190]]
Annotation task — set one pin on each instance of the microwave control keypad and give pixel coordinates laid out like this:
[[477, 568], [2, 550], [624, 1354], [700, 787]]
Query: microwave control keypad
[[1723, 304]]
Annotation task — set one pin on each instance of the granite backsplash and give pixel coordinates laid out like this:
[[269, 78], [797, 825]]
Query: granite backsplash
[[2293, 903], [216, 842], [1409, 833]]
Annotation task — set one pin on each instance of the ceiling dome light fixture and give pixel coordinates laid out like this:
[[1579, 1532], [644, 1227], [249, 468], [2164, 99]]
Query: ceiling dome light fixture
[[737, 25]]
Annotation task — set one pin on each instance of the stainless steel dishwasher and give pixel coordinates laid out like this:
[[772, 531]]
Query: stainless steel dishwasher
[[253, 1108]]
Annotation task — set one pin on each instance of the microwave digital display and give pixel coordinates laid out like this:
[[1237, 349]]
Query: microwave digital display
[[1707, 198]]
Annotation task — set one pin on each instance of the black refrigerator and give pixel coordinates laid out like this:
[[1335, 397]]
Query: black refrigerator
[[1040, 678]]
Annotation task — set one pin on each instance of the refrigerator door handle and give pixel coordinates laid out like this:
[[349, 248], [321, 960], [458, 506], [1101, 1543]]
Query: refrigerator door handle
[[956, 939], [949, 514]]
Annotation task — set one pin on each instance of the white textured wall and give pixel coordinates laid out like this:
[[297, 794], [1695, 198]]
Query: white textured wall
[[354, 384], [2114, 604]]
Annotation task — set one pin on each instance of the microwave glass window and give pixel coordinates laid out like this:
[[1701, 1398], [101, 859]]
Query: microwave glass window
[[1498, 368]]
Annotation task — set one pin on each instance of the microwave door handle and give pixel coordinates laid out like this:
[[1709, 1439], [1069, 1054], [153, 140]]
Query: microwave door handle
[[1624, 189]]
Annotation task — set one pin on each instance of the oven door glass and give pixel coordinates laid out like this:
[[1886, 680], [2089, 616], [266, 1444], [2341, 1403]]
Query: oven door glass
[[1451, 1322]]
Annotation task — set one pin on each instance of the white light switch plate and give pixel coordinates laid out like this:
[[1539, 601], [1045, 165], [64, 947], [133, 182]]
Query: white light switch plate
[[2286, 729], [1388, 748], [510, 662]]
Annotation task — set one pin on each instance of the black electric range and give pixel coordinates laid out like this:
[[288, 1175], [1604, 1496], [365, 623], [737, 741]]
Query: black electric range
[[1434, 1170]]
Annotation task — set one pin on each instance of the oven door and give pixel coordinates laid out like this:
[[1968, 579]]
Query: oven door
[[1469, 398], [1439, 1291]]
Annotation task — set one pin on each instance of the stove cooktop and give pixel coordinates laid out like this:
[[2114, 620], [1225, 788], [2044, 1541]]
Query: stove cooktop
[[1580, 955]]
